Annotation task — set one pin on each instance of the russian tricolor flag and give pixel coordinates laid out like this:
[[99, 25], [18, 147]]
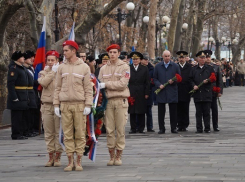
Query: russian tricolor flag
[[39, 62]]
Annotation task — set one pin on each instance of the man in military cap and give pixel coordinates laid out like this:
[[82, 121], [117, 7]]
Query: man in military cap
[[139, 87], [74, 94], [217, 83], [103, 58], [29, 115], [17, 84], [203, 95], [149, 118], [184, 87], [114, 77]]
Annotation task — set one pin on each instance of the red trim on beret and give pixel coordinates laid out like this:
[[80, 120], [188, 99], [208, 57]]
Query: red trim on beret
[[71, 43], [53, 53], [113, 46]]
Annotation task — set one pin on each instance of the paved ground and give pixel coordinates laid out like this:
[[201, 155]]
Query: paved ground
[[183, 157]]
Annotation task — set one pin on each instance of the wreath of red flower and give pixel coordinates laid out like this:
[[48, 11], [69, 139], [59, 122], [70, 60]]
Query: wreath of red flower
[[97, 131]]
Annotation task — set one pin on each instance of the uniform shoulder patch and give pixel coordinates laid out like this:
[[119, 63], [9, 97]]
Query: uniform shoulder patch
[[127, 74]]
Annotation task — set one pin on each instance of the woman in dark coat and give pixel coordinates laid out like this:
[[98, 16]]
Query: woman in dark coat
[[139, 91]]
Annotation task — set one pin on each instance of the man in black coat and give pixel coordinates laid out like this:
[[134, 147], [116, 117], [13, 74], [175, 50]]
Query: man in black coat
[[218, 83], [203, 95], [17, 83], [149, 119], [29, 115], [184, 87], [139, 90]]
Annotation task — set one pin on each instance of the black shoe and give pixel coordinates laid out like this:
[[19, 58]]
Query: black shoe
[[161, 132], [184, 129], [19, 138], [29, 135], [174, 131], [151, 130], [180, 129], [216, 129], [207, 131], [199, 131], [142, 132], [132, 132]]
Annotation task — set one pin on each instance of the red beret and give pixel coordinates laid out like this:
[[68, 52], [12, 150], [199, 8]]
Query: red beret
[[53, 53], [71, 43], [113, 46]]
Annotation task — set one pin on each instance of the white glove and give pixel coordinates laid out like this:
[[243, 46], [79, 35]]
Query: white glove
[[46, 67], [55, 67], [86, 111], [102, 85], [57, 111], [16, 100]]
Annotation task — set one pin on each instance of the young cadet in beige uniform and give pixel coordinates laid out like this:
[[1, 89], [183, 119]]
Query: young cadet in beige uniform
[[51, 122], [114, 77], [73, 93]]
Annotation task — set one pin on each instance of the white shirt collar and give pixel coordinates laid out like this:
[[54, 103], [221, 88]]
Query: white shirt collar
[[201, 66], [182, 66], [136, 67]]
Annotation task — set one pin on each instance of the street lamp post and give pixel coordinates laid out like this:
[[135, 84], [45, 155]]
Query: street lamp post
[[119, 17], [234, 42], [165, 21]]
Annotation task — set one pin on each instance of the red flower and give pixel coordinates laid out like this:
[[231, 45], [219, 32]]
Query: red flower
[[152, 81], [216, 89], [97, 131], [178, 78], [131, 101], [99, 122], [212, 78]]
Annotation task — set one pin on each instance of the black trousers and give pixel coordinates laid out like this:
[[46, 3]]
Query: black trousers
[[203, 112], [17, 123], [183, 114], [214, 108], [172, 113], [28, 121], [36, 120], [137, 119]]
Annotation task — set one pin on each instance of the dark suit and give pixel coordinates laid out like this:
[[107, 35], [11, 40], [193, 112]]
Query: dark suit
[[17, 81], [139, 86], [183, 105], [203, 96]]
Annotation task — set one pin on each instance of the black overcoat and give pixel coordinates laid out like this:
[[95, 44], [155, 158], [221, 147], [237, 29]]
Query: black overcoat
[[139, 86], [197, 75], [31, 94], [17, 77], [151, 79], [184, 87]]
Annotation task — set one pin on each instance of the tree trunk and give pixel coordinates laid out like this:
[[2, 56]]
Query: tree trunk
[[173, 25], [197, 34], [152, 29], [187, 42], [178, 33], [92, 18], [7, 9]]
